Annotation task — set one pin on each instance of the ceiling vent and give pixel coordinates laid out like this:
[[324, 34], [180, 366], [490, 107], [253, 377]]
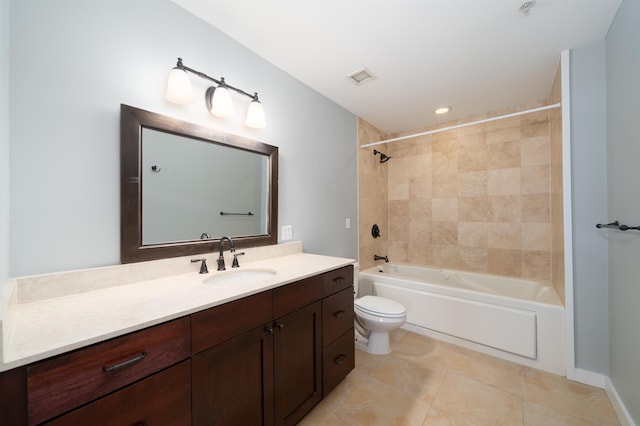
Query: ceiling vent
[[361, 76]]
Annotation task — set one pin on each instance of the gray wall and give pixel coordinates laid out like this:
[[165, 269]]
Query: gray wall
[[4, 141], [589, 192], [73, 62], [623, 141]]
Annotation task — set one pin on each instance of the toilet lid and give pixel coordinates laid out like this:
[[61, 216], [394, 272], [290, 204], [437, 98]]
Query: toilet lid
[[380, 306]]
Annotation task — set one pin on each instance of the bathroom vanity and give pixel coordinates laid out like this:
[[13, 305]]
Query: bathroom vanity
[[265, 356]]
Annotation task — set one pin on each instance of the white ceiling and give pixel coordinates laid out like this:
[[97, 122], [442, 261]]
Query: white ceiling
[[474, 55]]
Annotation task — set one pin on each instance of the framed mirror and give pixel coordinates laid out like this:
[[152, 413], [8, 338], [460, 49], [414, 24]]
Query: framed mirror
[[184, 186]]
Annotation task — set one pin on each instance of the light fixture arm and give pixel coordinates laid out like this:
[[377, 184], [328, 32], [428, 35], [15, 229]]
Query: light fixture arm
[[202, 75]]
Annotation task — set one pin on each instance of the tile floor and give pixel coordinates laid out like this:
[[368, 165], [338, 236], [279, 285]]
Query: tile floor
[[429, 382]]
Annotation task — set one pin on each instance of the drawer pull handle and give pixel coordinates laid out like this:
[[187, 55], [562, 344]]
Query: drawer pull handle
[[123, 364], [339, 314], [338, 280], [339, 359]]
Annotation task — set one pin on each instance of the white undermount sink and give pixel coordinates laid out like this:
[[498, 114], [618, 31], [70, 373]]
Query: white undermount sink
[[240, 276]]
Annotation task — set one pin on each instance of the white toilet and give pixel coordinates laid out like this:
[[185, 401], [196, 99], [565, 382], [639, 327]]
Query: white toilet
[[375, 317]]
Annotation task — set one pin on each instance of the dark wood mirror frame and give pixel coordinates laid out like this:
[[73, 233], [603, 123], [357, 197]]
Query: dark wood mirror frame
[[132, 121]]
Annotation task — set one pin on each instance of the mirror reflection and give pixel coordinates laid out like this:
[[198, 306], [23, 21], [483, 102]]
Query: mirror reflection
[[192, 189]]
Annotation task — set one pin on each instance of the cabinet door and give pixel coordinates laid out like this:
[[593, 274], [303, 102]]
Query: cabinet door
[[232, 383], [297, 363]]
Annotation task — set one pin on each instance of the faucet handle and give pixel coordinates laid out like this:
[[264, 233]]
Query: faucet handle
[[235, 263], [203, 265]]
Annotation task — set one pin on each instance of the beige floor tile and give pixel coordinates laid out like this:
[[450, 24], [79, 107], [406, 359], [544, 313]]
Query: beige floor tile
[[375, 403], [496, 372], [430, 382], [322, 412], [464, 401], [417, 377], [571, 398], [536, 415]]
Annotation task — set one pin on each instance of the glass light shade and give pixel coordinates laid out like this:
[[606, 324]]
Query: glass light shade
[[221, 102], [255, 115], [179, 87]]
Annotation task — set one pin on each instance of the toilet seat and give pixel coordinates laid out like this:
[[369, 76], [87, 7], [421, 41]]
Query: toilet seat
[[380, 307]]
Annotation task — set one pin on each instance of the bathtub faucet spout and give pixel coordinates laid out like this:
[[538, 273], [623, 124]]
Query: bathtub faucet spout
[[376, 257]]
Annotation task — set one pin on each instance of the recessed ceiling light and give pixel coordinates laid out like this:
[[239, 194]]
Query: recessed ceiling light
[[361, 76], [442, 110]]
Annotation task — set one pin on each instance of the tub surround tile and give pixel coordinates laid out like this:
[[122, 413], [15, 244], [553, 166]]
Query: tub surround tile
[[537, 264], [503, 155], [503, 182], [472, 184], [445, 185], [502, 171], [473, 259], [505, 262], [504, 235], [473, 234]]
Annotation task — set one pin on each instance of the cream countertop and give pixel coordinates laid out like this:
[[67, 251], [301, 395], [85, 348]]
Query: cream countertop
[[38, 329]]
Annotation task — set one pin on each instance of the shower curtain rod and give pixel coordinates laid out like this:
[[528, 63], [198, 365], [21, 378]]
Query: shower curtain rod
[[457, 126]]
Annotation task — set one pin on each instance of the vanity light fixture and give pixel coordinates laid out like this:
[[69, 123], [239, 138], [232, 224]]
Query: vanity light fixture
[[217, 98]]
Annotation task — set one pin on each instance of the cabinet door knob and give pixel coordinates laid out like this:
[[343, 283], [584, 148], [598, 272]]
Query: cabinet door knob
[[338, 280], [269, 330], [339, 314], [279, 325]]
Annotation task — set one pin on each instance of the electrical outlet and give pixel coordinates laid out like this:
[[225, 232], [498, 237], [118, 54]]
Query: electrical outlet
[[286, 232], [347, 223]]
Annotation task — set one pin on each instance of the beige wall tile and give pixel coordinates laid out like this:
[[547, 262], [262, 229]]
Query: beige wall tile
[[502, 155], [445, 186], [477, 198], [536, 208], [444, 209], [505, 262], [536, 237], [472, 184], [505, 208], [535, 180], [504, 235], [473, 234], [473, 209], [503, 182], [535, 151]]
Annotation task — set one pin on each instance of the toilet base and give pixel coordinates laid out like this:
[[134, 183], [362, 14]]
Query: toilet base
[[377, 343]]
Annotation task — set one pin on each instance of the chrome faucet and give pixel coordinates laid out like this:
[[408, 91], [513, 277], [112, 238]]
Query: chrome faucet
[[221, 266], [376, 257]]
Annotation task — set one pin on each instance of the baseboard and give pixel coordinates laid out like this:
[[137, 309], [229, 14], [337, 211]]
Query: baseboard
[[618, 405], [589, 378]]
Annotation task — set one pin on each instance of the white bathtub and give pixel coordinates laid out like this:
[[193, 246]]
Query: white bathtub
[[515, 319]]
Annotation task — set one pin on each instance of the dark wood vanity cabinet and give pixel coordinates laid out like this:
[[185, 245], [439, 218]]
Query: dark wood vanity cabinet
[[266, 359], [273, 373]]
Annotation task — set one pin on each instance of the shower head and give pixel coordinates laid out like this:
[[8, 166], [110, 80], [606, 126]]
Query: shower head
[[383, 158]]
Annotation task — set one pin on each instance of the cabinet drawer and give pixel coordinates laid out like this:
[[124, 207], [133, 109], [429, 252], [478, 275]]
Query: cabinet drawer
[[215, 325], [338, 359], [163, 398], [294, 296], [334, 281], [337, 315], [63, 383]]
